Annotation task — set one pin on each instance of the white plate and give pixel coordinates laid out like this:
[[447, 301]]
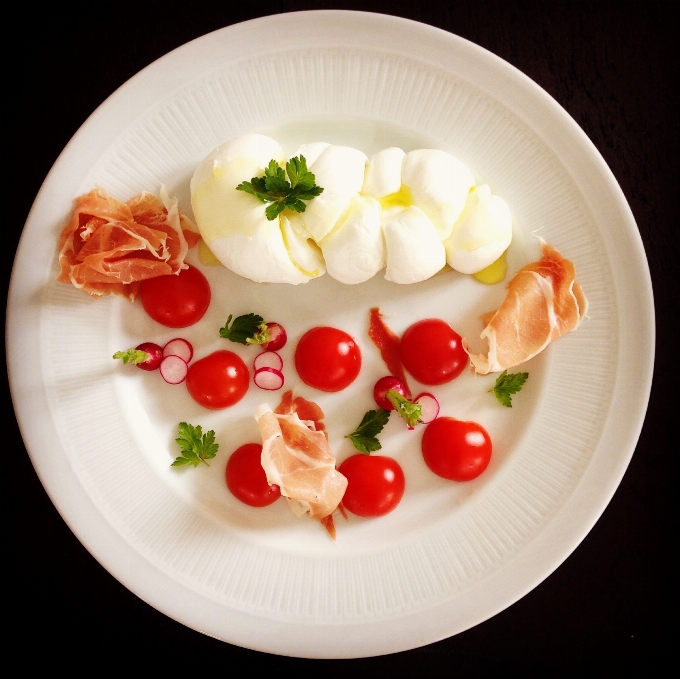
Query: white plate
[[451, 555]]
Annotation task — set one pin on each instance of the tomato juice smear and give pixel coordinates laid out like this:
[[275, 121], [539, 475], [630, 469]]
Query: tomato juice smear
[[389, 345]]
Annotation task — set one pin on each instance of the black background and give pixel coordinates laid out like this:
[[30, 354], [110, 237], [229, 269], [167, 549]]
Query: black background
[[612, 603]]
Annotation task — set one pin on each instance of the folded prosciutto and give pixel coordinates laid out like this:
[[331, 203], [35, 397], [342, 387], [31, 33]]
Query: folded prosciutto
[[109, 247], [297, 458], [544, 302]]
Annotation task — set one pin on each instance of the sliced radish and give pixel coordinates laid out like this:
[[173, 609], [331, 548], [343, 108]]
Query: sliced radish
[[268, 359], [277, 337], [174, 369], [179, 347], [154, 356], [268, 378], [429, 407]]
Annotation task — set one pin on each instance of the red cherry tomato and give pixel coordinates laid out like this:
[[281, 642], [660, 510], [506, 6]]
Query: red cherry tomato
[[382, 386], [246, 478], [176, 300], [327, 359], [375, 484], [433, 352], [219, 380], [456, 450]]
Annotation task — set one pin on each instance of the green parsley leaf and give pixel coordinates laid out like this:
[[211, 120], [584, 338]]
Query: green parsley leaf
[[134, 356], [272, 211], [273, 188], [408, 411], [196, 446], [275, 180], [506, 385], [256, 188], [364, 437], [244, 329]]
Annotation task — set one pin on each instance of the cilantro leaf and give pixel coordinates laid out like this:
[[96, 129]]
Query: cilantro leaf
[[408, 411], [244, 329], [506, 385], [196, 446], [275, 189], [134, 356], [364, 437]]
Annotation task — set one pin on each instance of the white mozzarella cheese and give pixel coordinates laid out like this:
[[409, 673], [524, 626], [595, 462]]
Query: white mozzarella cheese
[[354, 250], [383, 173], [482, 233], [439, 185], [414, 250], [234, 224], [339, 170]]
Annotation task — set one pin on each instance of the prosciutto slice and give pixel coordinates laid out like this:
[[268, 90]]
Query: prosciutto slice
[[388, 343], [297, 458], [109, 247], [544, 302]]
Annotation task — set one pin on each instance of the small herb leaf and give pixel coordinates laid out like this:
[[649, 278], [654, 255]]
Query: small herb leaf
[[196, 446], [244, 328], [275, 189], [364, 437], [507, 385]]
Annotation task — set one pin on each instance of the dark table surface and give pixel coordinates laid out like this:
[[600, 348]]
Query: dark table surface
[[610, 65]]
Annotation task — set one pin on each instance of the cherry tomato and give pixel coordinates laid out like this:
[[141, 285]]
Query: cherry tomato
[[375, 484], [219, 380], [246, 478], [176, 300], [382, 386], [456, 450], [327, 359], [432, 351]]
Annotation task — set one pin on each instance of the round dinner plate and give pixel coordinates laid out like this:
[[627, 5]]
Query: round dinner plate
[[101, 436]]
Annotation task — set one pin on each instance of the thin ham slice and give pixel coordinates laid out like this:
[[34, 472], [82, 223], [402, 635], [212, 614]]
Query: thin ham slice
[[544, 302], [389, 345], [308, 411], [297, 458], [109, 247]]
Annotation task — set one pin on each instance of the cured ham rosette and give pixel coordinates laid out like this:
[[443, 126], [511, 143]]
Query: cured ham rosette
[[544, 302], [109, 247], [297, 458]]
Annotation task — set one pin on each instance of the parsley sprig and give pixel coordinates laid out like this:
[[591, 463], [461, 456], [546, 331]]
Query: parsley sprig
[[507, 385], [364, 437], [274, 188], [246, 329], [196, 446]]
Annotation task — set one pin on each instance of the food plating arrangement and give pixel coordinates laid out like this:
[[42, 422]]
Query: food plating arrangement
[[326, 209]]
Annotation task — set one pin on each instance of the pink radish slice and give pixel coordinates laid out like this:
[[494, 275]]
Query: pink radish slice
[[179, 347], [268, 359], [154, 356], [278, 337], [268, 378], [174, 369], [429, 407]]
